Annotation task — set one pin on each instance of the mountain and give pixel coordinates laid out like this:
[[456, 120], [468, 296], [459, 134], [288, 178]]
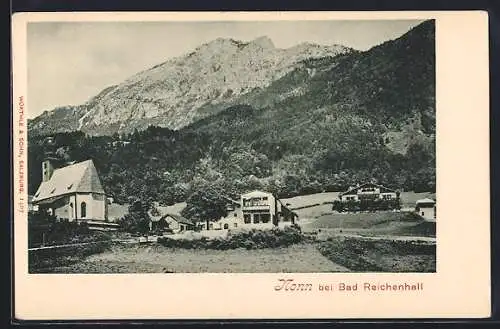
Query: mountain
[[388, 90], [327, 123], [184, 89]]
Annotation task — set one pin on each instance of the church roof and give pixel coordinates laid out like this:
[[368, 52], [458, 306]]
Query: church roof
[[79, 177]]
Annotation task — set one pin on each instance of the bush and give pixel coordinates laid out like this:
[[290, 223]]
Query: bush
[[134, 222], [43, 260], [48, 230], [252, 239], [411, 217]]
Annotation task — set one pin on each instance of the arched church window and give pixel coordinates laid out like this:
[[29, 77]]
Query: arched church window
[[83, 209]]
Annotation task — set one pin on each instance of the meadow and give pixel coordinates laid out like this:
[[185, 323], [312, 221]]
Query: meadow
[[366, 255], [159, 259]]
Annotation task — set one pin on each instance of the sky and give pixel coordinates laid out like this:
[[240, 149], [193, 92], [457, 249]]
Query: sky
[[70, 62]]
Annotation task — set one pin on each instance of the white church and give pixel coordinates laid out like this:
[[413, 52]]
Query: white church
[[72, 192]]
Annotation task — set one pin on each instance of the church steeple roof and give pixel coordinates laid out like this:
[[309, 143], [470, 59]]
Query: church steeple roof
[[79, 177]]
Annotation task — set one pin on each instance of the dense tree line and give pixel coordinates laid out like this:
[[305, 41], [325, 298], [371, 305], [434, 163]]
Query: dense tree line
[[173, 166]]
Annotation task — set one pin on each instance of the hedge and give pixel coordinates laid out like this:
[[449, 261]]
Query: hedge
[[366, 205], [252, 239]]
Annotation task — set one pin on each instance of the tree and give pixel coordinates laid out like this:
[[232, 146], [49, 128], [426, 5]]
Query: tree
[[205, 204], [137, 220]]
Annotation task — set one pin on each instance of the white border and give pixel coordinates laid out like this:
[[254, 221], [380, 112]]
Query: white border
[[460, 288]]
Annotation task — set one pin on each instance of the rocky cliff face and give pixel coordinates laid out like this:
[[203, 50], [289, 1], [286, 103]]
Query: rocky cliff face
[[184, 89]]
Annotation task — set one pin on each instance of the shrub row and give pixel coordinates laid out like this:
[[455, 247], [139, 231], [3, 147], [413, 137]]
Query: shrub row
[[48, 230], [252, 239]]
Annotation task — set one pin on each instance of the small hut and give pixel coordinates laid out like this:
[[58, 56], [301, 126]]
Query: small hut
[[426, 208]]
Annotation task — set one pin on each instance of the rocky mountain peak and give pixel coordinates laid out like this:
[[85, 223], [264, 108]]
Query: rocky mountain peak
[[263, 42], [186, 88]]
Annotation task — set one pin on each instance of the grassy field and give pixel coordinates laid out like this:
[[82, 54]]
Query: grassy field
[[364, 255], [304, 200], [408, 200], [314, 212], [322, 218], [338, 254], [342, 244], [330, 253], [355, 220], [157, 259], [370, 224]]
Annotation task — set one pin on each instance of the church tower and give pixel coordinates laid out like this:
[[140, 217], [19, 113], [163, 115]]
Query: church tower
[[50, 162]]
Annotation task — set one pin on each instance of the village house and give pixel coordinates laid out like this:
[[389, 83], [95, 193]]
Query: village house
[[176, 223], [173, 223], [120, 143], [232, 220], [368, 191], [228, 222], [426, 208], [73, 192], [256, 209], [260, 209]]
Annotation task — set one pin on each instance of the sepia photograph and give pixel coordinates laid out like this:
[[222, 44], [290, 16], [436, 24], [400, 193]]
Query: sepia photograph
[[226, 146], [280, 165]]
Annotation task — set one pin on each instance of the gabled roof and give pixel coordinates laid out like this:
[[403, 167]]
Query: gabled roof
[[163, 211], [179, 219], [426, 200], [255, 193], [79, 177], [353, 189], [155, 218], [231, 201]]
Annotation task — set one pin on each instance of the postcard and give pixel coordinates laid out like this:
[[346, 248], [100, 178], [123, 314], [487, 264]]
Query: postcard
[[251, 165]]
